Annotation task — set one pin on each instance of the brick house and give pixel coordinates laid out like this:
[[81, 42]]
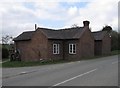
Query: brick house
[[70, 43], [102, 43], [43, 43]]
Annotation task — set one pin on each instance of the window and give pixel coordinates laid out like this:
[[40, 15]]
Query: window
[[55, 48], [72, 48]]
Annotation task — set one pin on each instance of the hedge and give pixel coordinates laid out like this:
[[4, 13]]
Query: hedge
[[5, 53]]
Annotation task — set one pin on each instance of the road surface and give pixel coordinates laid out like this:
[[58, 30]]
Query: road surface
[[96, 72]]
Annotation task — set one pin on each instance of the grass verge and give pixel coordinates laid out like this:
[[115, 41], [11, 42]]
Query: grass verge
[[115, 52], [38, 63], [30, 63]]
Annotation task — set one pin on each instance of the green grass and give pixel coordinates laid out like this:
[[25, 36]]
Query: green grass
[[0, 65], [30, 63], [38, 63], [115, 52], [5, 59]]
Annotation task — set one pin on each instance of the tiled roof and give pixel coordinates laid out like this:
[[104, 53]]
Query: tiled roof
[[69, 33], [24, 36], [99, 35]]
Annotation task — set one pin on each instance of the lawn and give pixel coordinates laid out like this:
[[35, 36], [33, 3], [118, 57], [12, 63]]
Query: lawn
[[37, 63], [0, 65], [30, 63], [115, 52]]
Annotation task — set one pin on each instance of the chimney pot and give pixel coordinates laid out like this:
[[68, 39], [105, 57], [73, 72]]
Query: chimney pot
[[86, 23]]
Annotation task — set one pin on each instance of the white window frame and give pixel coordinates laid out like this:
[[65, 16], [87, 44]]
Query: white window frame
[[71, 51], [56, 48]]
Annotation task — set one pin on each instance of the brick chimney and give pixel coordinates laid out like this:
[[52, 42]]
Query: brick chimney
[[86, 23]]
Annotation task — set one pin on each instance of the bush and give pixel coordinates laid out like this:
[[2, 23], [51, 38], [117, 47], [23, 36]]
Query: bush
[[115, 40], [5, 53]]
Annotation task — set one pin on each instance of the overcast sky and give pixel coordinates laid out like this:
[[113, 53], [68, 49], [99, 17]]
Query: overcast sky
[[17, 16]]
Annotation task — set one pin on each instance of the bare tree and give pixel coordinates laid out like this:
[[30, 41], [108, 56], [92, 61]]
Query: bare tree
[[7, 39], [74, 25]]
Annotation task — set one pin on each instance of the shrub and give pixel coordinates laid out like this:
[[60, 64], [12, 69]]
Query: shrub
[[5, 53]]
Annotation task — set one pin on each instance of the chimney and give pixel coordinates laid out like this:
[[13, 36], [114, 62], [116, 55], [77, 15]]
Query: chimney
[[35, 26], [86, 23]]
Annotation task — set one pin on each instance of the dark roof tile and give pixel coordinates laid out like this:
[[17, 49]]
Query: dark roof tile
[[24, 36], [68, 33], [99, 35]]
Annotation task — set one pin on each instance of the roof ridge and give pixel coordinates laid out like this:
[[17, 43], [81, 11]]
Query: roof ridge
[[58, 29], [68, 33], [97, 31], [71, 28], [27, 31], [45, 28]]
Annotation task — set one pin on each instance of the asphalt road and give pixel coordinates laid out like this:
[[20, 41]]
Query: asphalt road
[[97, 72]]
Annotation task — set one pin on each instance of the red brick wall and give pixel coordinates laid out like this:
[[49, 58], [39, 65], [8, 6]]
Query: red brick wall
[[66, 50], [98, 47], [103, 47], [34, 49], [50, 49], [39, 44], [106, 45], [42, 48], [23, 47], [84, 46], [87, 44]]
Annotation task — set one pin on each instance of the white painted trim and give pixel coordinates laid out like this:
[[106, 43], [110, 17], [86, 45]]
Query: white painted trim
[[72, 48], [56, 46]]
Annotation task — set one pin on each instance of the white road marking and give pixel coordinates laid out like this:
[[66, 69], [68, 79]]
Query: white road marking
[[79, 61], [115, 62], [26, 72], [74, 77], [23, 72]]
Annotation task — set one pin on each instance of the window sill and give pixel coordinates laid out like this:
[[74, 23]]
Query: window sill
[[55, 53], [72, 53]]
